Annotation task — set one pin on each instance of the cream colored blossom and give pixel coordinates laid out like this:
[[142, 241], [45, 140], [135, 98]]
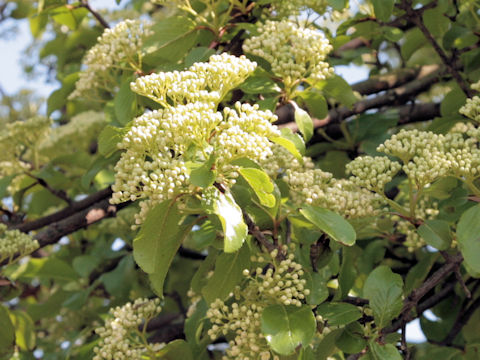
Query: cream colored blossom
[[120, 338], [118, 48], [283, 284], [294, 52], [373, 173], [205, 82], [14, 242]]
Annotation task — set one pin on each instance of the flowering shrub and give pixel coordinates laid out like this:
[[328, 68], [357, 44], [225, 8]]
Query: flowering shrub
[[206, 184]]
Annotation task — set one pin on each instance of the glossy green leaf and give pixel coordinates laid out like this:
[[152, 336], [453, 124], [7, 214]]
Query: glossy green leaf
[[203, 175], [174, 350], [452, 102], [468, 237], [198, 54], [316, 103], [227, 274], [383, 352], [125, 103], [289, 145], [384, 290], [261, 184], [158, 241], [338, 313], [352, 339], [46, 268], [304, 122], [436, 21], [287, 327], [340, 90], [230, 215], [332, 224], [172, 39], [418, 273], [259, 85], [7, 331], [436, 233], [383, 9], [24, 330], [317, 285], [108, 140]]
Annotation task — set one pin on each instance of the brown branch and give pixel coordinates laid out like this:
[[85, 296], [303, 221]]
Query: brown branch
[[428, 76], [79, 220], [58, 193], [254, 230], [66, 212], [461, 321], [449, 62], [95, 14]]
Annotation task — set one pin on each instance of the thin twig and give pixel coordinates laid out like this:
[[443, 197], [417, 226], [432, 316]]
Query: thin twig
[[257, 234], [95, 14], [449, 63], [58, 193]]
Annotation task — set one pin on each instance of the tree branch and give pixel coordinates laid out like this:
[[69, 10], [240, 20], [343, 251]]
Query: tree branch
[[79, 220], [257, 234], [64, 213], [95, 14], [449, 63]]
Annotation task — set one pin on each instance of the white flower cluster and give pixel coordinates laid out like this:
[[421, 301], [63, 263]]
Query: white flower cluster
[[75, 135], [14, 242], [19, 140], [281, 284], [295, 53], [373, 173], [117, 48], [120, 338], [427, 156], [318, 188], [161, 145], [283, 160], [205, 82], [471, 109]]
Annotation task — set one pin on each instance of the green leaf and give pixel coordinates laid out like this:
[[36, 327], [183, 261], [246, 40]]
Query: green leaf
[[287, 327], [383, 352], [436, 21], [337, 4], [7, 331], [69, 17], [172, 38], [452, 102], [316, 103], [259, 85], [332, 224], [4, 183], [317, 285], [468, 237], [261, 183], [436, 233], [227, 274], [46, 268], [203, 175], [24, 330], [230, 215], [85, 264], [340, 90], [339, 313], [392, 33], [383, 9], [384, 290], [304, 122], [158, 241], [414, 40], [108, 140], [174, 350], [124, 103], [289, 145], [198, 54], [352, 340]]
